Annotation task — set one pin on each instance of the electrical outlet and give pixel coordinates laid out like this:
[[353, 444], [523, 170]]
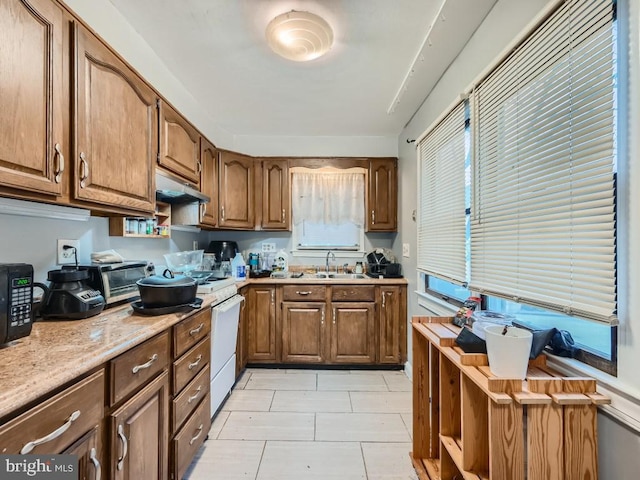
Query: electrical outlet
[[268, 247], [66, 256], [195, 244], [405, 250]]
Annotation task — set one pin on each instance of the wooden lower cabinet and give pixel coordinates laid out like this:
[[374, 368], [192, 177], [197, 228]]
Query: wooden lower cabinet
[[392, 325], [261, 325], [303, 332], [139, 433], [353, 333], [189, 438], [89, 456]]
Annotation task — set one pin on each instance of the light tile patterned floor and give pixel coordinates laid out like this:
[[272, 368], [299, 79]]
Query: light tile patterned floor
[[311, 425]]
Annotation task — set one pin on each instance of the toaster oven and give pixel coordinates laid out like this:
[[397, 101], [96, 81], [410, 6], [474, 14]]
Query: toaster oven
[[117, 281]]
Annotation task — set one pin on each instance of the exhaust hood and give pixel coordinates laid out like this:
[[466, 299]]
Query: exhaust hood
[[171, 190]]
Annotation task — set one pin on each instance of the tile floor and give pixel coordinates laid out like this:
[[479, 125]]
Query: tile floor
[[311, 424]]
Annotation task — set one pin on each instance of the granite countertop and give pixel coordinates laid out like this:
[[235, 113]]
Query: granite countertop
[[56, 352]]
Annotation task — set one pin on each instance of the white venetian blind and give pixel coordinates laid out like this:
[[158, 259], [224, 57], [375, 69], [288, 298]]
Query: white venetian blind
[[441, 227], [543, 215]]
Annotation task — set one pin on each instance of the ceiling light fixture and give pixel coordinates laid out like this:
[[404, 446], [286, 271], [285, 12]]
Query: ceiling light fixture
[[299, 36]]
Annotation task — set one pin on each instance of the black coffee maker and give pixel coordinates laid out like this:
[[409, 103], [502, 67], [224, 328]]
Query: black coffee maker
[[68, 297]]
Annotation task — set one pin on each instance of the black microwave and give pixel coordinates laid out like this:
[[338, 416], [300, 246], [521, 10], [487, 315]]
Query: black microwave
[[117, 281]]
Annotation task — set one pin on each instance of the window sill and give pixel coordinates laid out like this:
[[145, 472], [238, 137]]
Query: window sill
[[435, 305]]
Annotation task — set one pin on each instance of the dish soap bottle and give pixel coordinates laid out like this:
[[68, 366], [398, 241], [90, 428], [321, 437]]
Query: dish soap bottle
[[239, 268]]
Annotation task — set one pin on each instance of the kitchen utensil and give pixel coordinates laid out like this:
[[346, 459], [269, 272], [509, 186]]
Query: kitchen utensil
[[168, 290], [68, 296], [142, 309], [184, 262]]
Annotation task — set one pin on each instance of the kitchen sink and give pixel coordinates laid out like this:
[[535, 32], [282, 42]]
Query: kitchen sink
[[340, 276]]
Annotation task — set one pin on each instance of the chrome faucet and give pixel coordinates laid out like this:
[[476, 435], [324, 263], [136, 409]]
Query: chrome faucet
[[333, 256]]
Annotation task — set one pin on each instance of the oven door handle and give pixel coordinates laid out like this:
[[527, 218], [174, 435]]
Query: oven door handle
[[229, 304]]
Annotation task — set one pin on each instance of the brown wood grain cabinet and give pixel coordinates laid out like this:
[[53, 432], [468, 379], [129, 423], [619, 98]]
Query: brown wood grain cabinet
[[139, 432], [31, 116], [241, 341], [382, 197], [179, 145], [261, 325], [87, 449], [276, 195], [209, 183], [116, 130], [392, 325], [236, 191], [304, 332], [353, 333]]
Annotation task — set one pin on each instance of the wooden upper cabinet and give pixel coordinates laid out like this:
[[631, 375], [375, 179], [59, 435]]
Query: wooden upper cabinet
[[31, 115], [179, 147], [116, 130], [276, 195], [209, 183], [236, 185], [382, 202]]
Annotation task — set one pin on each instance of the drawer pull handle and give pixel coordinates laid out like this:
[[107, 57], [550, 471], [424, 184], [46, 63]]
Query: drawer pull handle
[[197, 434], [196, 363], [60, 157], [85, 170], [304, 292], [137, 368], [322, 318], [196, 330], [334, 316], [28, 448], [283, 215], [222, 212], [125, 446], [96, 463], [194, 396]]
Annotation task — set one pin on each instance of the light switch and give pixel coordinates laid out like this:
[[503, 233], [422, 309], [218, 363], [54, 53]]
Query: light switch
[[405, 250]]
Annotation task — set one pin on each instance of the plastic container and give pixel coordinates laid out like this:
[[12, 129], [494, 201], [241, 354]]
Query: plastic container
[[484, 318], [238, 267], [281, 261], [509, 353]]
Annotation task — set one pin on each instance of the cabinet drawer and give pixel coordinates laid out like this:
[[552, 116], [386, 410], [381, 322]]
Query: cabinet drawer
[[304, 293], [140, 364], [190, 331], [187, 401], [190, 437], [355, 293], [78, 408], [188, 366]]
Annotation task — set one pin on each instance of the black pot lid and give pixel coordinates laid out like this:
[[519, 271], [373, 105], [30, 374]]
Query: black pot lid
[[166, 280], [67, 275]]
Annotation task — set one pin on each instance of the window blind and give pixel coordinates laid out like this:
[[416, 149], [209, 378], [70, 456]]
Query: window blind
[[543, 213], [441, 228]]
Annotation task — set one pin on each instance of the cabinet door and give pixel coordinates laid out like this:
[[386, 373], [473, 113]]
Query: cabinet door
[[236, 184], [179, 145], [303, 332], [353, 333], [261, 325], [209, 183], [383, 195], [391, 325], [87, 449], [116, 130], [276, 196], [140, 434], [31, 56]]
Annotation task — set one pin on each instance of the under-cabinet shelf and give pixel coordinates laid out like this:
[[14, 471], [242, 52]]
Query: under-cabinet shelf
[[129, 227]]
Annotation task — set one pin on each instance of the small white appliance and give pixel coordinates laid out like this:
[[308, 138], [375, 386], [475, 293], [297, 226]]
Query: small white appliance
[[225, 315]]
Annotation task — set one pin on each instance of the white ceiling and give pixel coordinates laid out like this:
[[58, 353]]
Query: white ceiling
[[217, 49]]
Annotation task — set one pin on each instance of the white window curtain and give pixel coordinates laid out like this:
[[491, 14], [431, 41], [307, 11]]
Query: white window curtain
[[442, 222], [330, 198], [543, 212]]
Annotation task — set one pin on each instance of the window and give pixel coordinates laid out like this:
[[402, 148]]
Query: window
[[539, 190], [328, 209]]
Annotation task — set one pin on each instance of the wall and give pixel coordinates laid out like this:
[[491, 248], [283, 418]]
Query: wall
[[34, 240], [619, 441]]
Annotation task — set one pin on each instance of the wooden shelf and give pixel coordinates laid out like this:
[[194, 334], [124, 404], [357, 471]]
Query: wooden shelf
[[469, 424], [118, 225]]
